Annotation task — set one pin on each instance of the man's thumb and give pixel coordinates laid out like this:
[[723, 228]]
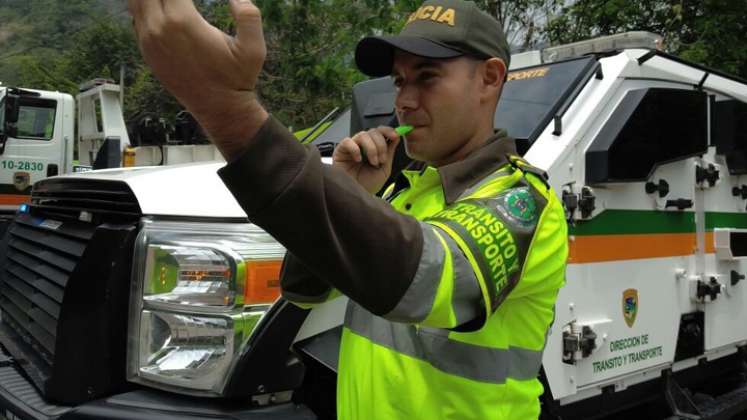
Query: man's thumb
[[248, 24]]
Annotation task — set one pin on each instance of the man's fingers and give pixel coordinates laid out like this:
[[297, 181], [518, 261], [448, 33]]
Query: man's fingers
[[179, 10], [388, 132], [347, 150], [248, 19], [381, 144], [134, 6], [250, 39], [146, 9], [366, 142], [392, 147], [392, 141], [136, 11], [147, 17]]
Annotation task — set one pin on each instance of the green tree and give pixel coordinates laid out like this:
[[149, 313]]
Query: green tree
[[310, 69], [100, 50], [56, 45], [146, 96], [523, 20], [35, 34], [711, 32]]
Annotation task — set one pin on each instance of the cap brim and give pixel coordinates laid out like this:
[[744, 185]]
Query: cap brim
[[374, 55]]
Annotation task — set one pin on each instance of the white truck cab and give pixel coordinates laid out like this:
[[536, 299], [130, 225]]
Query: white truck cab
[[146, 291], [40, 144]]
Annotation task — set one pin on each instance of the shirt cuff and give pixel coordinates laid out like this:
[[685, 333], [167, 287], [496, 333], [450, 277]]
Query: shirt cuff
[[267, 167]]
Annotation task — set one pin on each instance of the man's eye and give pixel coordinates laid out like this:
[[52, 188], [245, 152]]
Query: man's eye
[[424, 77]]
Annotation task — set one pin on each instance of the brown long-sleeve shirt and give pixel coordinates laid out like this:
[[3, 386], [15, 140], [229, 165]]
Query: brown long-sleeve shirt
[[337, 234]]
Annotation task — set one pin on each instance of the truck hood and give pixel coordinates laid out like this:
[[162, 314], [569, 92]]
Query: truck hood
[[190, 190]]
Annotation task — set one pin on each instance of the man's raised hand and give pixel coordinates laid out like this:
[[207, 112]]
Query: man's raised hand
[[212, 74]]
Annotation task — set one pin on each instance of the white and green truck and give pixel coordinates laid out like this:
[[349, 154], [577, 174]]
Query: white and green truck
[[146, 293]]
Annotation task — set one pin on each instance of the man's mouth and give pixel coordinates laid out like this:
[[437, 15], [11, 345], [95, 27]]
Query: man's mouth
[[413, 120]]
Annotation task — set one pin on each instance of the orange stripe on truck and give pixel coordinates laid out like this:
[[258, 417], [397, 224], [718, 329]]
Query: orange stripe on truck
[[710, 243], [14, 199], [602, 248]]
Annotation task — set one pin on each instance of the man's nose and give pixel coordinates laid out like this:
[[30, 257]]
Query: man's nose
[[407, 99]]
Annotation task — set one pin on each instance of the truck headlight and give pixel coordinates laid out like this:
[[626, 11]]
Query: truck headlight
[[189, 275], [198, 292]]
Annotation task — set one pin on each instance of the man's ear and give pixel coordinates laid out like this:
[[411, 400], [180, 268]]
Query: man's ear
[[493, 76]]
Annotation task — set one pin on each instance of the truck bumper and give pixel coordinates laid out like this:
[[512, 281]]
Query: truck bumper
[[20, 400]]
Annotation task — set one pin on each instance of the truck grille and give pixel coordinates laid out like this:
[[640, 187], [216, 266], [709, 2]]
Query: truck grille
[[64, 284], [39, 262]]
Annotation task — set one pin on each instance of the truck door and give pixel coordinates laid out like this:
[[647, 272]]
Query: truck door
[[635, 239], [35, 152], [722, 183]]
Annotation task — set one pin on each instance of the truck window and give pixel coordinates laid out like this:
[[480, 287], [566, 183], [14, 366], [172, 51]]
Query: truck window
[[36, 119], [728, 128], [650, 127], [533, 95]]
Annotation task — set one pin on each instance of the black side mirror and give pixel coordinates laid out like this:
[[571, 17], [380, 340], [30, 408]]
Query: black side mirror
[[11, 110]]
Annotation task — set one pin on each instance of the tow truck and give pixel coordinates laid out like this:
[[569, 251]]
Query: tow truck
[[146, 292], [47, 135]]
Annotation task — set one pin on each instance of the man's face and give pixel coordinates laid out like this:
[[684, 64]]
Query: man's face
[[440, 99]]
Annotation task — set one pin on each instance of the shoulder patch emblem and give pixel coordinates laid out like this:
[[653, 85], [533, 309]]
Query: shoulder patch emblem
[[519, 206]]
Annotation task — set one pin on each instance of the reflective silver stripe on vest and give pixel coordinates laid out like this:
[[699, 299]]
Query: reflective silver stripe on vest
[[466, 299], [469, 361], [417, 302]]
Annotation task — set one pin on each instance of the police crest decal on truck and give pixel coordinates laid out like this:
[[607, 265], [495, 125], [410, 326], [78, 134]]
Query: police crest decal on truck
[[21, 180], [630, 306]]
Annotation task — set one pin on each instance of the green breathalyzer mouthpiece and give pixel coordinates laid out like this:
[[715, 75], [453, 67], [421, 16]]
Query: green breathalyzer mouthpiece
[[404, 130]]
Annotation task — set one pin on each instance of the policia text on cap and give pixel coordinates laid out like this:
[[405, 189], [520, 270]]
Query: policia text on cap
[[452, 277]]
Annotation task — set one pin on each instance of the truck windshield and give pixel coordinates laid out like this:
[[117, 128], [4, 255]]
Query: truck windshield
[[532, 96], [36, 118]]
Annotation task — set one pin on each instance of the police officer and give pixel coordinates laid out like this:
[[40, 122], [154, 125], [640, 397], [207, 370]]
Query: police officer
[[453, 276]]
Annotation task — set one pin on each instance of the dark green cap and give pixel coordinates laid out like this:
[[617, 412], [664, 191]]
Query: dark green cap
[[438, 29]]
